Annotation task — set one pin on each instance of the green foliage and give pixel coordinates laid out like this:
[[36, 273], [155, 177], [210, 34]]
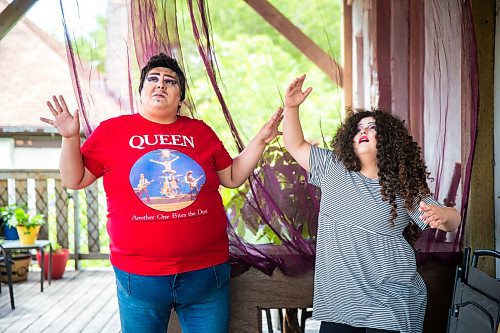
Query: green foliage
[[285, 202], [6, 213], [256, 63], [15, 215], [21, 218], [92, 48], [56, 247]]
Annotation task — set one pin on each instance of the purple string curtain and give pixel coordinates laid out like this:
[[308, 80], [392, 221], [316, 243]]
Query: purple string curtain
[[278, 203], [450, 115], [438, 99], [97, 99], [294, 254], [445, 30], [278, 198]]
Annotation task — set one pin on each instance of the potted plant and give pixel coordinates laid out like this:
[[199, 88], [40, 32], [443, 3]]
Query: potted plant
[[27, 225], [20, 267], [60, 257], [6, 213]]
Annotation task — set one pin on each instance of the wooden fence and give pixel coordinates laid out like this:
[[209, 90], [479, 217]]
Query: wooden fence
[[42, 192]]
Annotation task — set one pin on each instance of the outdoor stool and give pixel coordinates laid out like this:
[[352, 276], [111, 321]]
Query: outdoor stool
[[38, 245]]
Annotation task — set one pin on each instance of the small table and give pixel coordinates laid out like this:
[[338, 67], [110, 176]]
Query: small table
[[38, 245]]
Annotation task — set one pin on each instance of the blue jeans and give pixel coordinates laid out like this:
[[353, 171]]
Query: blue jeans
[[200, 298]]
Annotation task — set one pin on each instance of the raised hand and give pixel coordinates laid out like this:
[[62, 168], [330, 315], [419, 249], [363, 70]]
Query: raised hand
[[66, 124], [294, 96], [434, 216], [270, 129]]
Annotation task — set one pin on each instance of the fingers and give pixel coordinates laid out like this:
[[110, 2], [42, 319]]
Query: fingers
[[278, 114], [63, 103], [296, 87], [297, 83], [57, 106], [276, 117], [48, 121], [52, 109], [434, 222], [423, 206], [431, 215], [307, 92]]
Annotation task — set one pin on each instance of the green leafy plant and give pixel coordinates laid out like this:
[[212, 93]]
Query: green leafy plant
[[6, 213], [21, 218], [57, 248], [282, 206]]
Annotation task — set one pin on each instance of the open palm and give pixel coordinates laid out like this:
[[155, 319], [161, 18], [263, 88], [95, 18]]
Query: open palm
[[294, 95], [270, 129], [66, 124]]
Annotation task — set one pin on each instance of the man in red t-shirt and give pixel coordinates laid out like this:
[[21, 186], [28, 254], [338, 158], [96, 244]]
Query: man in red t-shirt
[[168, 251]]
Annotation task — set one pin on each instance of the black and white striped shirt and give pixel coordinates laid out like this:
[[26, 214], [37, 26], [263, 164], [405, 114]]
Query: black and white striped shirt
[[365, 273]]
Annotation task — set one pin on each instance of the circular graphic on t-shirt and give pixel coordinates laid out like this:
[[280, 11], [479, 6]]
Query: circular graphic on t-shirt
[[166, 179]]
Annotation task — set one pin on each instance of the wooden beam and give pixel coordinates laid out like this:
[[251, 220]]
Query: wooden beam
[[310, 49], [383, 52], [12, 14], [480, 220], [347, 42], [399, 58], [416, 70]]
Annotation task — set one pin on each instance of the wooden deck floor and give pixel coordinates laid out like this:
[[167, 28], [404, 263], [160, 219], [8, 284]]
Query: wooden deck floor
[[83, 301]]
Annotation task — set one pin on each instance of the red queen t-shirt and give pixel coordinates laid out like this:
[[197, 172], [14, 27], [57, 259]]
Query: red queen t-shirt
[[165, 213]]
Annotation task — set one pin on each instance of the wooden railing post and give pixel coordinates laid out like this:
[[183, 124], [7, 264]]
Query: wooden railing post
[[76, 219], [92, 217], [61, 214], [41, 203], [4, 192], [21, 192]]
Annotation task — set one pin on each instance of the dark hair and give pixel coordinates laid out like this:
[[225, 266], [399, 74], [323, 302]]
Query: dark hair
[[402, 172], [163, 60]]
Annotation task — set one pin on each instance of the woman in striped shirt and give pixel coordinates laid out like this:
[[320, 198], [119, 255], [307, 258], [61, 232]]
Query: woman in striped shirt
[[374, 202]]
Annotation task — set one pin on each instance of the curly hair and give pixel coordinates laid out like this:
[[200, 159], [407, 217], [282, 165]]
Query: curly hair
[[163, 60], [402, 172]]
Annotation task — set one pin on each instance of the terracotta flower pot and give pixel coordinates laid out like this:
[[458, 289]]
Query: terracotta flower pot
[[28, 236], [20, 268], [59, 260]]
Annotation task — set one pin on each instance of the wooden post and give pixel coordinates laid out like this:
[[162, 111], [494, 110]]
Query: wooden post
[[382, 43], [12, 14], [92, 217], [416, 70], [347, 43], [310, 49], [76, 219], [480, 223], [41, 196], [399, 58]]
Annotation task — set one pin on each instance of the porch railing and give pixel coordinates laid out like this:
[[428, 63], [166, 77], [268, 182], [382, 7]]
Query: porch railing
[[73, 217]]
